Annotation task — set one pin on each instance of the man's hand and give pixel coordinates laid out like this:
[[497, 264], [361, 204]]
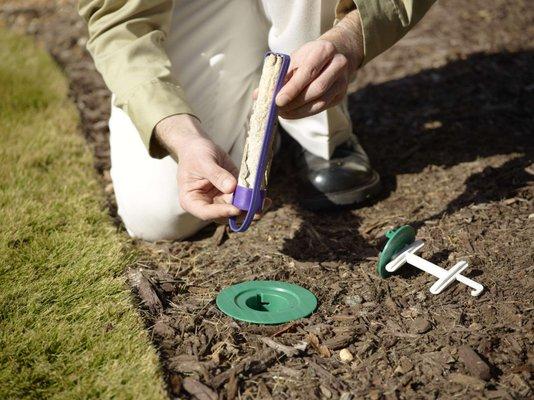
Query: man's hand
[[320, 70], [206, 174]]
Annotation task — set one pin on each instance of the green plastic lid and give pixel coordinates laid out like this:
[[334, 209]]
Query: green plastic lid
[[266, 302], [397, 239]]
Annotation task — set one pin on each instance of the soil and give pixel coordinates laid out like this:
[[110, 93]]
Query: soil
[[447, 118]]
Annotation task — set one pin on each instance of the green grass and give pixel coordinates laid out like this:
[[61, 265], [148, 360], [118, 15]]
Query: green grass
[[68, 327]]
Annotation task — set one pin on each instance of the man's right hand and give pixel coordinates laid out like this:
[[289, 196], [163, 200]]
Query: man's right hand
[[206, 174]]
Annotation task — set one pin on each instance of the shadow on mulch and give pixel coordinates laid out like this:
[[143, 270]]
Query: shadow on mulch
[[465, 110]]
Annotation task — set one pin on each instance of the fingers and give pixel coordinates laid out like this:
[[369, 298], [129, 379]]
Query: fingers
[[266, 206], [333, 96], [206, 178], [306, 67], [206, 211], [300, 79], [222, 179], [219, 210], [208, 204], [334, 70], [206, 201]]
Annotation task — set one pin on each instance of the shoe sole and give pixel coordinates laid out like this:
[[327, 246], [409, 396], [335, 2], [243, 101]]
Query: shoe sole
[[344, 198]]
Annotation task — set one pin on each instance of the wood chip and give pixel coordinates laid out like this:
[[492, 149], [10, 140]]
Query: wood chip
[[375, 394], [410, 152], [293, 373], [467, 380], [320, 371], [321, 349], [342, 339], [404, 366], [231, 387], [327, 376], [285, 328], [198, 389], [163, 330], [145, 291], [220, 235], [473, 363], [187, 364], [287, 350], [249, 366], [421, 325], [175, 382]]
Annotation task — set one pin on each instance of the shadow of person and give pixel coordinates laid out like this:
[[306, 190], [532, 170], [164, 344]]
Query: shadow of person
[[491, 184], [494, 183], [467, 110], [317, 235], [330, 236]]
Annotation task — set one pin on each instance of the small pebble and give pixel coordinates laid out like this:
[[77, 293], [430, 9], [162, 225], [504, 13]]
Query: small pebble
[[346, 355], [327, 393], [352, 301], [432, 125], [421, 325], [421, 296]]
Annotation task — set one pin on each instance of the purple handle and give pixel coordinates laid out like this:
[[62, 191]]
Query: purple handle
[[251, 200], [243, 199]]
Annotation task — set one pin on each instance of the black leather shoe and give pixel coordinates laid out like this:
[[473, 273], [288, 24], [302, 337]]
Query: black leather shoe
[[346, 179]]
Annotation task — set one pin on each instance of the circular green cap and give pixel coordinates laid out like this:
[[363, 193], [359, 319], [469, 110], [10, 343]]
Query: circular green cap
[[397, 239], [266, 302]]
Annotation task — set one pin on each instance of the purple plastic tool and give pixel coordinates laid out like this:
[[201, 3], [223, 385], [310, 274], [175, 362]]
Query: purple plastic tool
[[251, 199]]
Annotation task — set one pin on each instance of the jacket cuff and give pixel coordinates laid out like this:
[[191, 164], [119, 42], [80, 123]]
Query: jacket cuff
[[344, 7], [382, 26], [151, 102]]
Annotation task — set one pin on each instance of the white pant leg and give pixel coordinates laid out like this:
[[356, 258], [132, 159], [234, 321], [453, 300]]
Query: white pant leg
[[216, 50], [145, 188], [294, 23]]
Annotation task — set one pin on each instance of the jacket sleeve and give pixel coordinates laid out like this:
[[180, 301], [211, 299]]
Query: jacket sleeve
[[384, 22], [126, 40]]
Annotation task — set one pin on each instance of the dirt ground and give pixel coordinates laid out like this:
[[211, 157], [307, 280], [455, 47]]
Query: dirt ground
[[447, 118]]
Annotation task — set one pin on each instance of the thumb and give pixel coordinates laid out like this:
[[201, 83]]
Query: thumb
[[222, 179]]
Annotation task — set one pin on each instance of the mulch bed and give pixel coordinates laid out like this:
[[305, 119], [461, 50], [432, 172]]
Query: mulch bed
[[447, 119]]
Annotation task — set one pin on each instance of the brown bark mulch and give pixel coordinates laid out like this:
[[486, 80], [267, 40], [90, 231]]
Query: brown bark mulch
[[447, 118]]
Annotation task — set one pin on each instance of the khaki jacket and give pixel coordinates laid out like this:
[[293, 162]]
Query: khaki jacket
[[126, 40]]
